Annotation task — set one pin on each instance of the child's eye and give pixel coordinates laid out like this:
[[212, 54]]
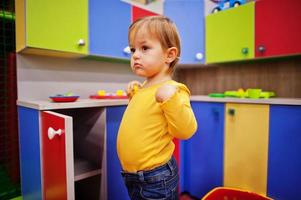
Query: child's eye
[[144, 48], [133, 50]]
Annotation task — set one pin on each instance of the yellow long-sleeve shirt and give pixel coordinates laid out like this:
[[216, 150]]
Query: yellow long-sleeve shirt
[[147, 128]]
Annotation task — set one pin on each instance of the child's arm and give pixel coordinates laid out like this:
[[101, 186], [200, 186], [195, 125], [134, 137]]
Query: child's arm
[[175, 103]]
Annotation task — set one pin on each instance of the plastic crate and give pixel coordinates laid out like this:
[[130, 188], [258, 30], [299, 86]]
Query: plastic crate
[[223, 193]]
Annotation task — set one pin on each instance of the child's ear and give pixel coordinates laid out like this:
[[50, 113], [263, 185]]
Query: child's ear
[[172, 53]]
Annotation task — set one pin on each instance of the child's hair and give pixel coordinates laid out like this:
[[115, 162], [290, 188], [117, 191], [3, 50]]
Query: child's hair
[[163, 29]]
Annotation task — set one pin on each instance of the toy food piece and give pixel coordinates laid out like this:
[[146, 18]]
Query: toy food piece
[[240, 93], [231, 94], [68, 94], [101, 92], [120, 93], [135, 88], [267, 94]]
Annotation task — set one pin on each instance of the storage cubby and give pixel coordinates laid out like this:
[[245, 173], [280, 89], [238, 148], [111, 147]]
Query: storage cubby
[[88, 126], [88, 188]]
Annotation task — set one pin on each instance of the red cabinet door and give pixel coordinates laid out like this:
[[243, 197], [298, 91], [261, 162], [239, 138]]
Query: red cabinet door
[[57, 151], [277, 27], [139, 12]]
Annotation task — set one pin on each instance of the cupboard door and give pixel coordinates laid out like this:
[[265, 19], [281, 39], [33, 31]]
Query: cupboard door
[[108, 28], [116, 187], [202, 162], [57, 151], [30, 158], [57, 25], [139, 12], [189, 19], [278, 27], [230, 34], [246, 147], [284, 152]]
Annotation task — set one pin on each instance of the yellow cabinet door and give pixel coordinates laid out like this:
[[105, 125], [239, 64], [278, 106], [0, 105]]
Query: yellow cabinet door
[[246, 146]]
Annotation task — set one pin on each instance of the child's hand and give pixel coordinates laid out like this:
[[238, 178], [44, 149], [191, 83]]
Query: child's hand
[[165, 92], [132, 88]]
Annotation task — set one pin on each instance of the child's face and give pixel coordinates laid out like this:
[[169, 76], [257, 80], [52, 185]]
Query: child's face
[[148, 57]]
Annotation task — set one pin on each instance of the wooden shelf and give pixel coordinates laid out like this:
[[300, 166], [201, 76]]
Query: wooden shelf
[[84, 169]]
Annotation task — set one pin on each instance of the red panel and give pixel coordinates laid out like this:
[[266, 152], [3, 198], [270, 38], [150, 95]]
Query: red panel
[[139, 12], [11, 116], [177, 150], [278, 27], [54, 158], [176, 154]]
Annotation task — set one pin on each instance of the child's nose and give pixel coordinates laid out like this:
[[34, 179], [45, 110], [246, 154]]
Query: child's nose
[[136, 54]]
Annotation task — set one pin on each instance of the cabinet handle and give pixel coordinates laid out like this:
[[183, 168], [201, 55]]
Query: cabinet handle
[[127, 50], [199, 56], [52, 133], [231, 111], [261, 49], [215, 113], [81, 42], [245, 51]]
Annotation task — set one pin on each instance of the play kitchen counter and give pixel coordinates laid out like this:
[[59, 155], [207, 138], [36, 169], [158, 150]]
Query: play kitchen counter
[[251, 144], [68, 150], [280, 101], [81, 103], [86, 103]]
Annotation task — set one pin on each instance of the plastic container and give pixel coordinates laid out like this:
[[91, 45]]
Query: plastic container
[[222, 193], [254, 93]]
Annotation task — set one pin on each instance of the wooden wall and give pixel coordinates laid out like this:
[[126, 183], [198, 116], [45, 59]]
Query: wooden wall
[[281, 75], [42, 76]]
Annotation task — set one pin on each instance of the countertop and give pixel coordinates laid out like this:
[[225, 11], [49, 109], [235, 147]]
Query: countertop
[[80, 103], [86, 103], [279, 101]]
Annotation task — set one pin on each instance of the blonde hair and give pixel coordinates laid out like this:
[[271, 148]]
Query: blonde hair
[[163, 29]]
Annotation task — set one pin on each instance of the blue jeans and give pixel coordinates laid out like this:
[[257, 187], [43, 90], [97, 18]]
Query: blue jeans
[[159, 183]]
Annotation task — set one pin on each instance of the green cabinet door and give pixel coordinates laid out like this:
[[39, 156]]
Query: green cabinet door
[[57, 25], [230, 34]]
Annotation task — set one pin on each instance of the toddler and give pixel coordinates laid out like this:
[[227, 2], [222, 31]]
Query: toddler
[[158, 111]]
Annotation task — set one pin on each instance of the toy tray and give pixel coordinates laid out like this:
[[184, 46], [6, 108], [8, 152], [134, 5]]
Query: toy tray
[[64, 98], [221, 193], [108, 97]]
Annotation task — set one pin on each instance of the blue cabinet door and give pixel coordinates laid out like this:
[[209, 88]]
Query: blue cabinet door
[[116, 186], [108, 28], [30, 163], [202, 155], [189, 19], [284, 162]]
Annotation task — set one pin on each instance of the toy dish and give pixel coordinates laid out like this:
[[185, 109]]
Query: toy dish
[[64, 98], [216, 95]]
